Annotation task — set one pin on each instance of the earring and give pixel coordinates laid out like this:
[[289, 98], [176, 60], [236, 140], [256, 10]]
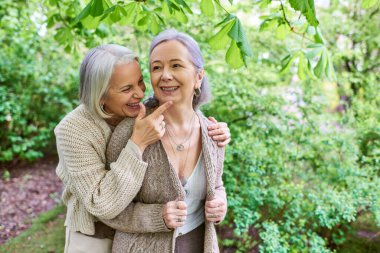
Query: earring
[[197, 92]]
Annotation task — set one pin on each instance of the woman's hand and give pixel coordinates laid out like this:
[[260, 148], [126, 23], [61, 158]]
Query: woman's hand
[[215, 210], [174, 214], [148, 130], [219, 132]]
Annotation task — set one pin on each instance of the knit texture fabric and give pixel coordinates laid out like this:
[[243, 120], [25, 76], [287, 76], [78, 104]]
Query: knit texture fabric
[[93, 189], [140, 226]]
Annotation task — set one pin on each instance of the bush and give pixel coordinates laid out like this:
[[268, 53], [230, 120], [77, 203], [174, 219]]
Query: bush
[[293, 172], [37, 84]]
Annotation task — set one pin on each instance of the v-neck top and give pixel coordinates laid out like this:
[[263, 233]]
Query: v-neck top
[[195, 189]]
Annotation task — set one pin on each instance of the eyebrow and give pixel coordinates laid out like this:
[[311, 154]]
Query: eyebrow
[[130, 84], [170, 60]]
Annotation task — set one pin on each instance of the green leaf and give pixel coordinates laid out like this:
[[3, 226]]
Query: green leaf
[[287, 62], [319, 70], [181, 16], [221, 39], [154, 27], [116, 14], [83, 14], [237, 33], [318, 38], [142, 23], [97, 8], [184, 5], [302, 66], [226, 19], [63, 35], [313, 53], [309, 70], [53, 2], [307, 9], [369, 3], [281, 31], [91, 22], [165, 9], [268, 24], [330, 73], [207, 7], [130, 10], [263, 3], [234, 56]]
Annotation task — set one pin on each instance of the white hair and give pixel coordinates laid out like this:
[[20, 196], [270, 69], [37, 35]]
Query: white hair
[[96, 71]]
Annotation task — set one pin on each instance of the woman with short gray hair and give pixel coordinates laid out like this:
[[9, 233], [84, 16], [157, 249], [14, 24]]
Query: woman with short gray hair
[[111, 89]]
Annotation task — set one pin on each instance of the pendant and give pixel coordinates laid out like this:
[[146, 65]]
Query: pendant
[[180, 147]]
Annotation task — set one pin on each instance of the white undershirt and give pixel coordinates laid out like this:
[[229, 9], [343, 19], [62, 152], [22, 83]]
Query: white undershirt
[[195, 189]]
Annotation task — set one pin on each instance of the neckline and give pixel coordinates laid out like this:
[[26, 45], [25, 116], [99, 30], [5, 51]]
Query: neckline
[[195, 168]]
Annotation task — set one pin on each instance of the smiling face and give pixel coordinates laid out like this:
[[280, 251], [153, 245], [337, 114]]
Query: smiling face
[[126, 90], [172, 73]]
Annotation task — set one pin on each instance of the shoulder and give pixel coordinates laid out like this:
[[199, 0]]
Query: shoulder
[[80, 120], [205, 122]]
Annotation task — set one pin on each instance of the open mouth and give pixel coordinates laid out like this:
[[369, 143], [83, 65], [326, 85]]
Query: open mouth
[[169, 89], [134, 105]]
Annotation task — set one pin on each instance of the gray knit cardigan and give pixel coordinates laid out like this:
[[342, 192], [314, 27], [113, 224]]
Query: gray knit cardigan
[[140, 226]]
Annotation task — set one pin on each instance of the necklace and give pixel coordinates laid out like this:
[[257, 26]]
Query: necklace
[[181, 178], [180, 146]]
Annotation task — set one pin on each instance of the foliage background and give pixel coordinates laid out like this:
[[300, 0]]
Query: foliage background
[[304, 162]]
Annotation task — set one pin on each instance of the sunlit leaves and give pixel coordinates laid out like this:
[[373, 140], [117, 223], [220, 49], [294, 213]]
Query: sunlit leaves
[[307, 9], [370, 3], [232, 31], [221, 39], [207, 7], [317, 53]]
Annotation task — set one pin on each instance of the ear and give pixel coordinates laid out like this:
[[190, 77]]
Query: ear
[[199, 78]]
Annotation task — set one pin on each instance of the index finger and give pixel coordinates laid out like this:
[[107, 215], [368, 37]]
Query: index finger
[[161, 109]]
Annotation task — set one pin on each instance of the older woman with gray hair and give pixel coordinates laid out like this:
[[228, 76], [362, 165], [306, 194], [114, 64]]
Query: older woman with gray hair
[[111, 89], [182, 194]]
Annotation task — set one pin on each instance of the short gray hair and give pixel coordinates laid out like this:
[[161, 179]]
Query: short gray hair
[[196, 58], [96, 71]]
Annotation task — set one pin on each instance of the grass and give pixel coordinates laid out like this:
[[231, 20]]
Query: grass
[[46, 235]]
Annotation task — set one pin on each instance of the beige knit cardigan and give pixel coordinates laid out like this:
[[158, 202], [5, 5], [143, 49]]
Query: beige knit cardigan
[[93, 190], [140, 226]]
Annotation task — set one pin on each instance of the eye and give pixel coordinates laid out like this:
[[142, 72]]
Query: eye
[[126, 89], [176, 65], [156, 68]]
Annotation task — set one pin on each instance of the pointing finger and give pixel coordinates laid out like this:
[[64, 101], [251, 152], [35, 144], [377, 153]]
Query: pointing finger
[[162, 109]]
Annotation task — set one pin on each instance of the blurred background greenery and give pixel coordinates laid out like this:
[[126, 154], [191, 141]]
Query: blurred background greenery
[[304, 161]]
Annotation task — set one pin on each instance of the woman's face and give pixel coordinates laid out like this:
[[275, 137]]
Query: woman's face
[[172, 74], [126, 90]]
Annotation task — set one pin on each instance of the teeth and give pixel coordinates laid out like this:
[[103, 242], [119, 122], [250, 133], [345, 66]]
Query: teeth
[[168, 89], [135, 104]]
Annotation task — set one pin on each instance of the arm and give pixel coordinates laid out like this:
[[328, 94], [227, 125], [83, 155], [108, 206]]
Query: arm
[[104, 193], [139, 218], [216, 209]]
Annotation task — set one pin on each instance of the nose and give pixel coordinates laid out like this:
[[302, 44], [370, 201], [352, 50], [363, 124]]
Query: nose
[[166, 75], [139, 93]]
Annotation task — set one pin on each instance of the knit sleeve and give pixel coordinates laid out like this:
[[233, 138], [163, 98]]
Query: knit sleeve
[[139, 218], [104, 193], [220, 191]]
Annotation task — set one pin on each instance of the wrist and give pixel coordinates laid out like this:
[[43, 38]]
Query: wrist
[[138, 143]]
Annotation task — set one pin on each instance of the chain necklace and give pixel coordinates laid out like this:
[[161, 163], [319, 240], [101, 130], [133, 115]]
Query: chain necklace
[[180, 146], [182, 179]]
